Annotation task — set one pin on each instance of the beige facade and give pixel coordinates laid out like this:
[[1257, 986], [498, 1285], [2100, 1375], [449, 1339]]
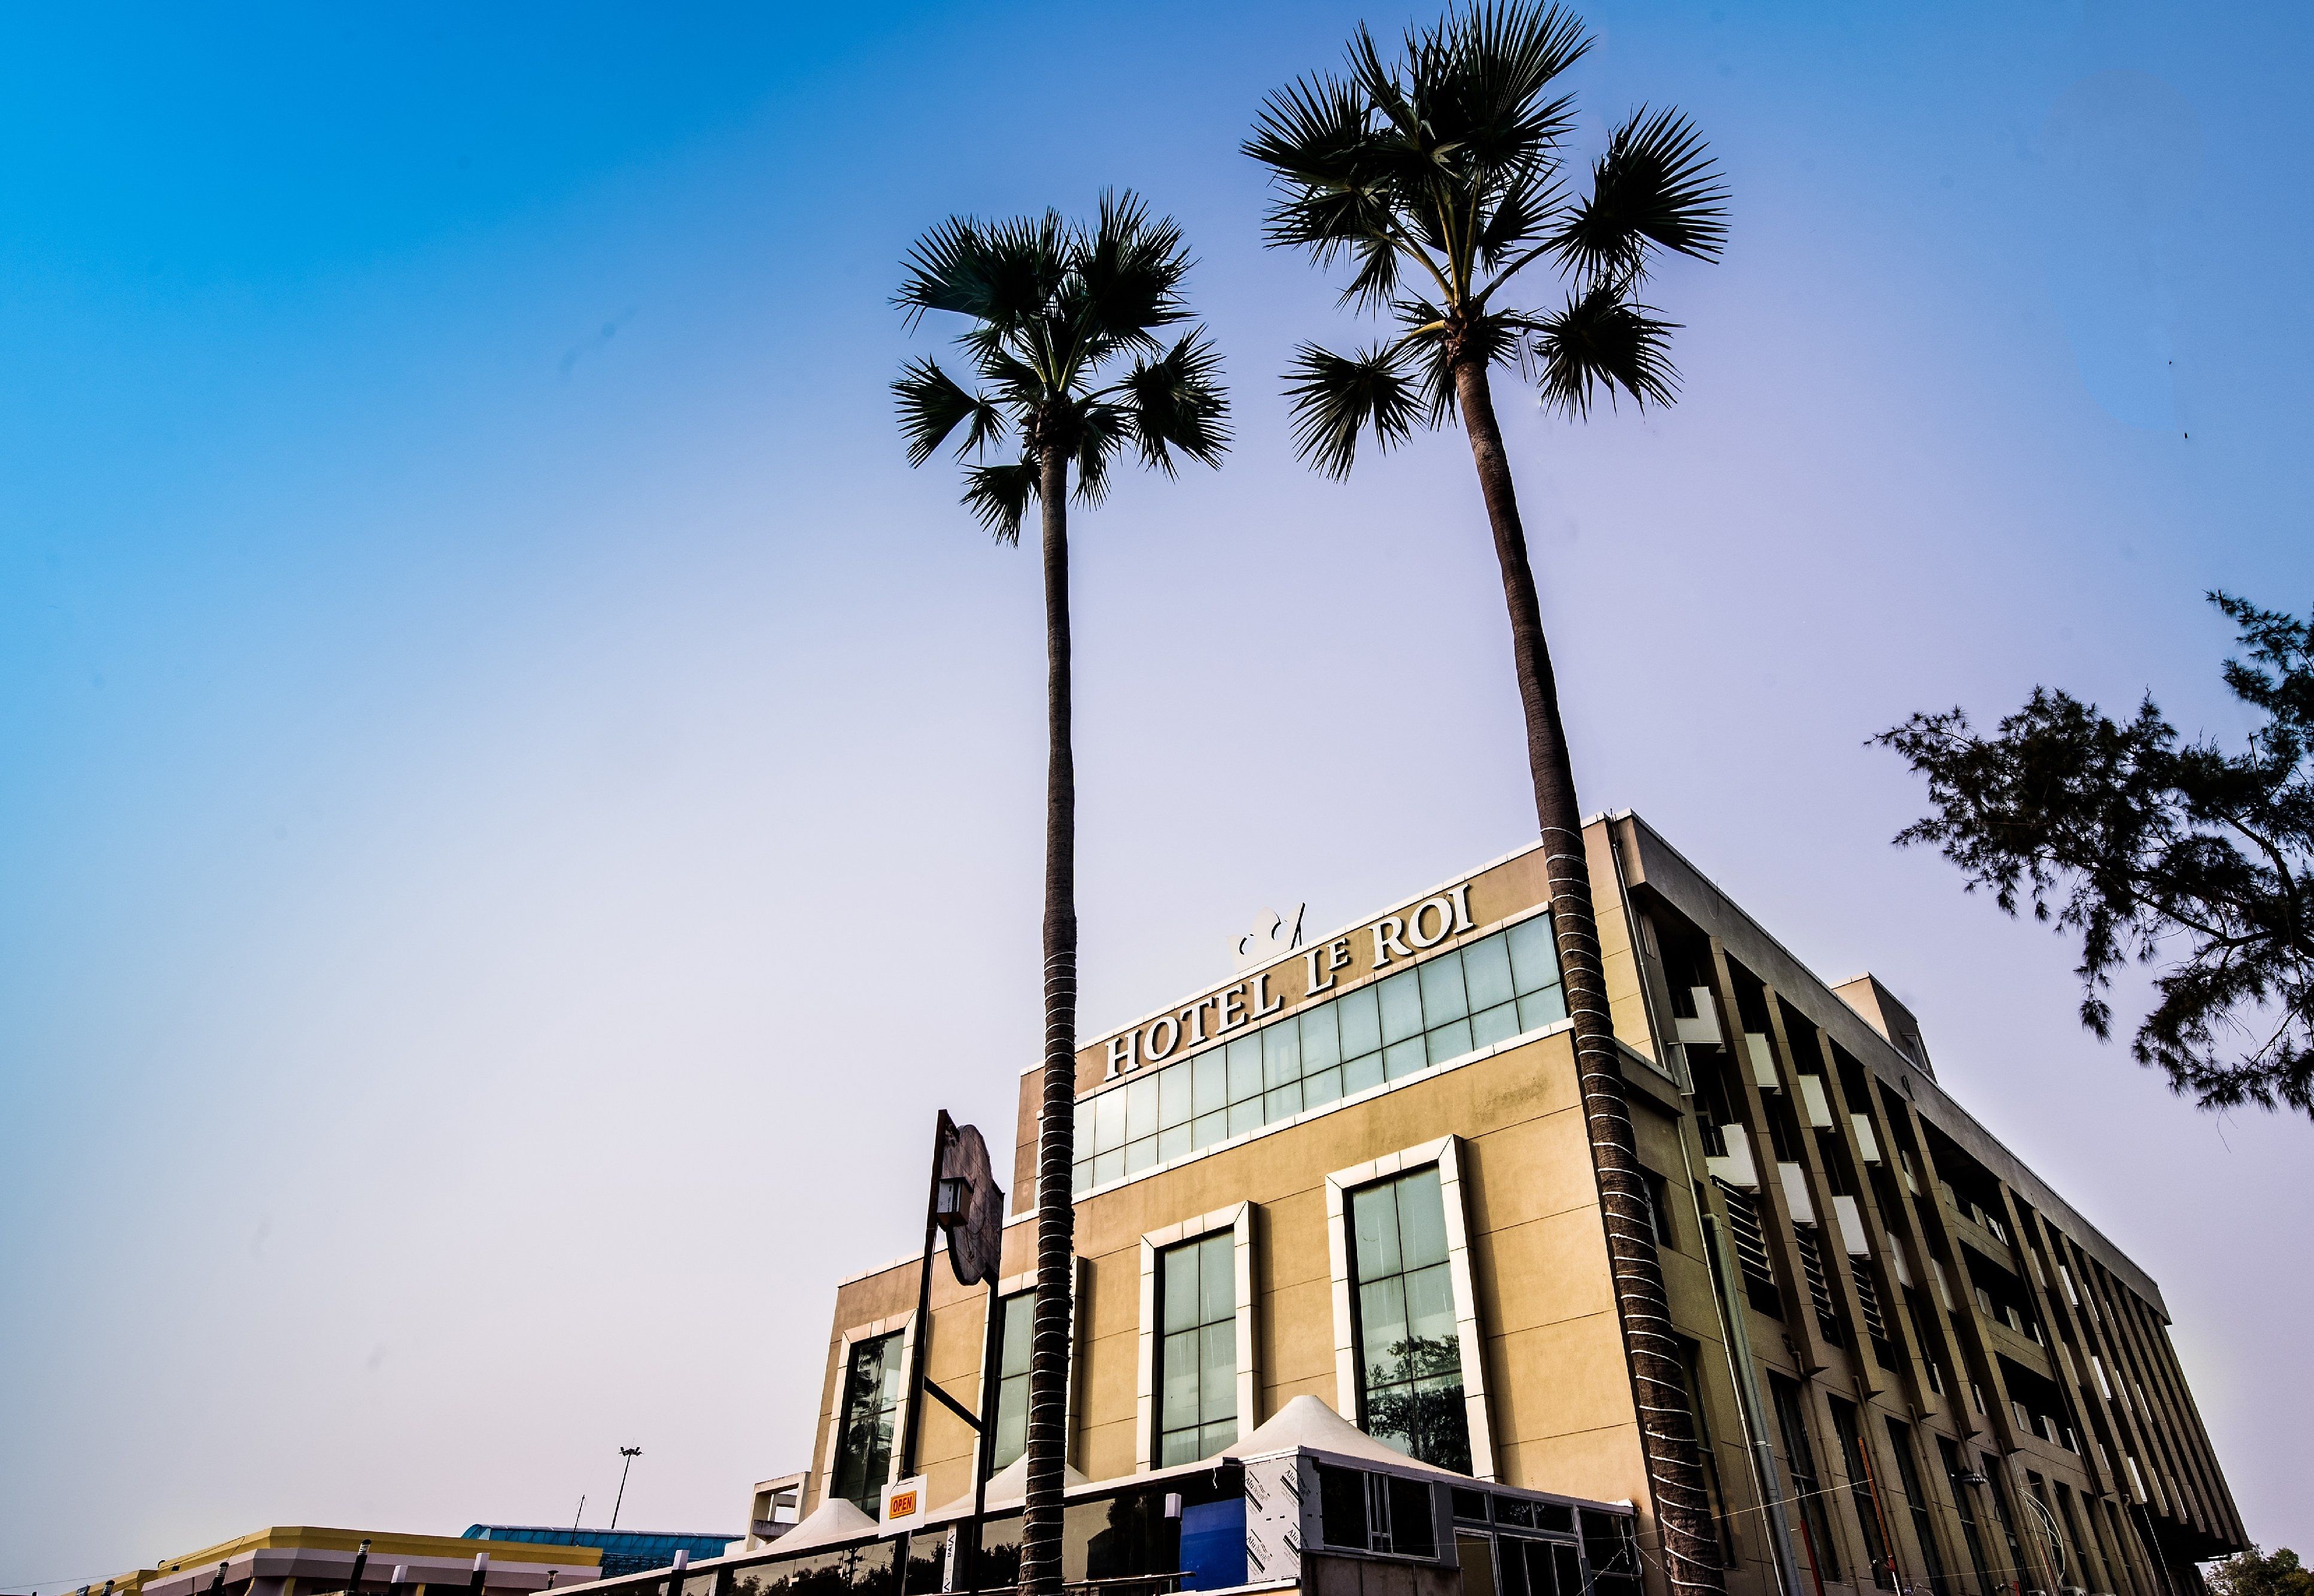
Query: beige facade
[[1977, 1385]]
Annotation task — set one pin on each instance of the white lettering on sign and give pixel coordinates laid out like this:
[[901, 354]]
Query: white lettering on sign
[[1151, 1048], [1426, 926], [1336, 956], [1443, 908]]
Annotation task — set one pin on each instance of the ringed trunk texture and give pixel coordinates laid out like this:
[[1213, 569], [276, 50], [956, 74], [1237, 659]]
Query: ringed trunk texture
[[1048, 1347], [1658, 1379]]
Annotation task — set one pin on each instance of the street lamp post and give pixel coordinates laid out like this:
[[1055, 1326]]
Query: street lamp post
[[630, 1453]]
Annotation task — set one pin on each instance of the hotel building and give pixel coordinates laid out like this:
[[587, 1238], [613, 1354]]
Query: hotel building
[[1345, 1322]]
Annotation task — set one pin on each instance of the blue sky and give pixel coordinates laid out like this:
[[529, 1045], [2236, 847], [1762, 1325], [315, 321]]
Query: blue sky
[[518, 805]]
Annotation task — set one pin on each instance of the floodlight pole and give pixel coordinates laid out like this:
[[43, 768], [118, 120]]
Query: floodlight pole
[[630, 1453]]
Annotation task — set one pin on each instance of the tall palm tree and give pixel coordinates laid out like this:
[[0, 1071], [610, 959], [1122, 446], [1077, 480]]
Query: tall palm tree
[[1436, 175], [1071, 371]]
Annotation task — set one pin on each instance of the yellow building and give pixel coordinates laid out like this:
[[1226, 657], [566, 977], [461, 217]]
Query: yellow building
[[1341, 1248]]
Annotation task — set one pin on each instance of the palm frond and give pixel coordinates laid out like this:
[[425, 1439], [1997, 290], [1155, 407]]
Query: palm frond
[[1126, 279], [1495, 66], [1516, 212], [1311, 131], [1003, 274], [1101, 430], [1602, 342], [1656, 185], [1375, 282], [1334, 398], [1176, 402], [999, 496], [932, 405]]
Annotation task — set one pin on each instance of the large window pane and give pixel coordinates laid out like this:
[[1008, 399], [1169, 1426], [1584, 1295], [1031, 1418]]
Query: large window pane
[[871, 1397], [1281, 1053], [1486, 971], [1172, 1098], [1409, 1350], [1245, 1069], [1108, 1121], [1211, 1092], [1402, 1059], [1422, 1218], [1547, 1007], [1016, 1318], [1401, 1006], [1361, 1018], [1448, 1042], [1141, 1108], [1535, 961], [1497, 1024], [1360, 1073], [1322, 1089], [1442, 998], [1197, 1375], [1321, 1038]]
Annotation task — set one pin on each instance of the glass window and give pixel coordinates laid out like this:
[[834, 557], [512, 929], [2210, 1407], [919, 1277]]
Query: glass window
[[1172, 1098], [1414, 1020], [1375, 1513], [1535, 961], [1015, 1319], [1401, 1006], [1964, 1504], [1197, 1348], [1443, 995], [1908, 1474], [1409, 1352], [1321, 1038], [1691, 1370], [1799, 1461], [1245, 1068], [1852, 1458], [1361, 1017], [864, 1441], [1487, 973], [1497, 1024], [1450, 1041], [1612, 1551], [1141, 1108], [1281, 1055]]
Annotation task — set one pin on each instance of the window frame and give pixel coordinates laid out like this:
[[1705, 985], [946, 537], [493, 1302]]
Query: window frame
[[1237, 1219], [904, 1327], [1445, 1153], [991, 1324]]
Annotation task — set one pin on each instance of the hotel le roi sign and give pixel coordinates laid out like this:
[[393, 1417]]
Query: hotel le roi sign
[[1234, 1007]]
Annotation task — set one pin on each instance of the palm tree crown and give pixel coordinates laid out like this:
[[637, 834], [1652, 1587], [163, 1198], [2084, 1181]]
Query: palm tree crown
[[1059, 312], [1437, 175]]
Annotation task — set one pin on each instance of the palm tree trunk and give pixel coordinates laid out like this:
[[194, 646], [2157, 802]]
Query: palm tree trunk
[[1048, 1347], [1658, 1378]]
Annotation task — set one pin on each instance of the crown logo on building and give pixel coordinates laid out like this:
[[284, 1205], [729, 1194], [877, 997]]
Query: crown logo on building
[[1273, 936]]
